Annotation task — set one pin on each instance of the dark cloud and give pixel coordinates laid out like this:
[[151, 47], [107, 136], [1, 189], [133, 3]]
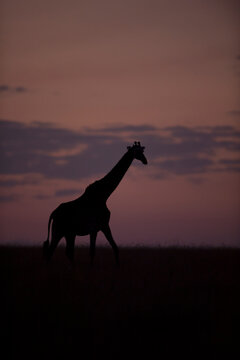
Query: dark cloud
[[127, 128], [8, 198], [196, 180], [230, 161], [232, 165], [10, 182], [66, 192], [4, 88], [12, 89], [26, 180], [189, 165], [182, 142], [235, 113], [59, 193], [20, 89], [41, 148], [42, 197], [32, 149]]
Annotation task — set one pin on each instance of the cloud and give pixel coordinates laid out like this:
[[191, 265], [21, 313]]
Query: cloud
[[8, 198], [230, 161], [53, 152], [232, 165], [4, 88], [12, 89], [59, 193], [13, 180], [190, 165], [127, 128], [32, 149], [66, 192], [235, 113]]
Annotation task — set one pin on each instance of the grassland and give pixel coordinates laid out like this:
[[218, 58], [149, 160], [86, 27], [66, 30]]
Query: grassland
[[158, 304]]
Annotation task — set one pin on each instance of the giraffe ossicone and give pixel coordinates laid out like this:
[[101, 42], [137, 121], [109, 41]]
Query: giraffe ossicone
[[88, 214]]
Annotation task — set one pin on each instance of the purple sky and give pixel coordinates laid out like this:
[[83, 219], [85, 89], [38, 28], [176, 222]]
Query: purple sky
[[81, 80]]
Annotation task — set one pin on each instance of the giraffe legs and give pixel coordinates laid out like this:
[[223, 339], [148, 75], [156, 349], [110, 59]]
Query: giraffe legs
[[53, 244], [70, 242], [93, 237], [108, 234]]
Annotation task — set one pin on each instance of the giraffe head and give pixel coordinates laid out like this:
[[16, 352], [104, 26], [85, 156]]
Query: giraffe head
[[137, 150]]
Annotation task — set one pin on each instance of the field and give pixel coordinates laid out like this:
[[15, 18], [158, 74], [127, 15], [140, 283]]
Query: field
[[158, 304]]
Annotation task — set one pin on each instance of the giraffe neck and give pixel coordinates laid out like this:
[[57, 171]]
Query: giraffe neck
[[110, 181]]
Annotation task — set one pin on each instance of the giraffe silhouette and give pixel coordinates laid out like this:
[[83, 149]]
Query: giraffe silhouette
[[88, 214]]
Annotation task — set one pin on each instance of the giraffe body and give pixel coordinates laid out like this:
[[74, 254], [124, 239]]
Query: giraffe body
[[80, 217], [88, 214]]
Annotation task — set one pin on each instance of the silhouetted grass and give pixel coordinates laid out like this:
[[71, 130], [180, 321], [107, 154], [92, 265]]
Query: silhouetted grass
[[159, 303]]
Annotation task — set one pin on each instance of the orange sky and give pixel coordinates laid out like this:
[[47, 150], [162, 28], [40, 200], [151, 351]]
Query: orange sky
[[103, 65]]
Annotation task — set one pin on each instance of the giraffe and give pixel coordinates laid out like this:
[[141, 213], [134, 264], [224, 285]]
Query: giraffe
[[88, 214]]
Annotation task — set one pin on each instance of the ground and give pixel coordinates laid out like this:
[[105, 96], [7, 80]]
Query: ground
[[159, 303]]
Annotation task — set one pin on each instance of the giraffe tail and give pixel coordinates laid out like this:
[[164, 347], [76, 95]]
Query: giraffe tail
[[46, 243]]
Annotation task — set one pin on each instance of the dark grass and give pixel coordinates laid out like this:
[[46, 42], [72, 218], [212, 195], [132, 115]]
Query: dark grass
[[158, 304]]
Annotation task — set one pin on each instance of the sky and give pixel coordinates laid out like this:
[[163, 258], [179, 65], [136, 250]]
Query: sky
[[82, 80]]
